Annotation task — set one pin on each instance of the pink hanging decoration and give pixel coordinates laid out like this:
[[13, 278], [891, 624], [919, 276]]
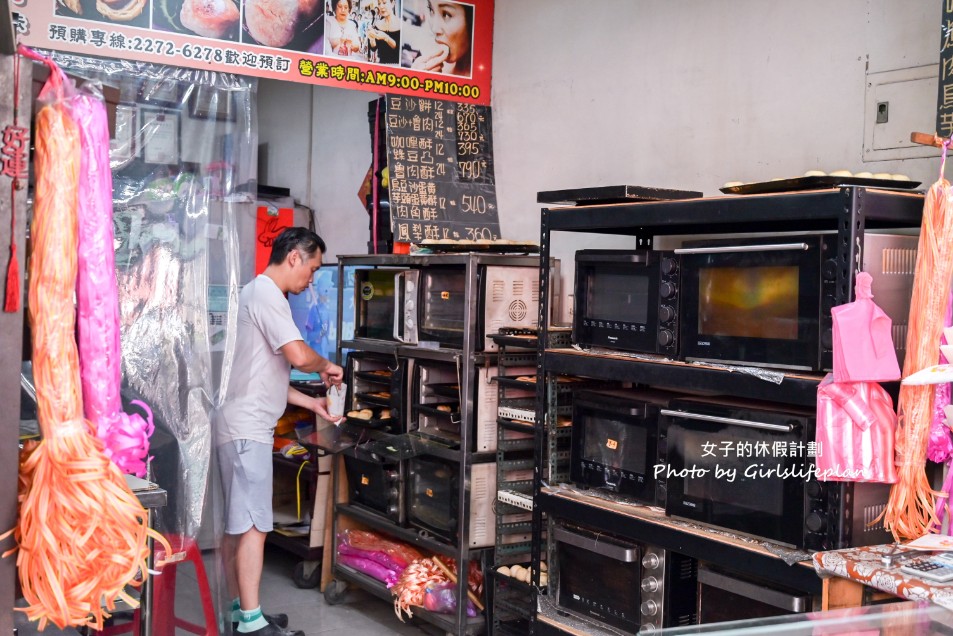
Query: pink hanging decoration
[[856, 424], [126, 437], [939, 445]]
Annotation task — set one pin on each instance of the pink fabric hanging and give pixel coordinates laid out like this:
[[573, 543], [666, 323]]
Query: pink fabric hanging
[[863, 346], [856, 424]]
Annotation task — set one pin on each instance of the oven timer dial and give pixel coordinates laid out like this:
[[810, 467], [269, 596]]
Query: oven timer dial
[[669, 266], [665, 337], [666, 313], [650, 584]]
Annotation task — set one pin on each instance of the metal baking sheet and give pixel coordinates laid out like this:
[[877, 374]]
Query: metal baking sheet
[[613, 194], [816, 183]]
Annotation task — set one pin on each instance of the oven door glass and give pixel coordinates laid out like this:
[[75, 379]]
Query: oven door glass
[[738, 468], [433, 497], [614, 444], [617, 303], [758, 305], [374, 303], [599, 577], [442, 304]]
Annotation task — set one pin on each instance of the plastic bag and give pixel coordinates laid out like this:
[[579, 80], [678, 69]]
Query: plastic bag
[[377, 556], [856, 423], [370, 568], [441, 598], [863, 346], [364, 540]]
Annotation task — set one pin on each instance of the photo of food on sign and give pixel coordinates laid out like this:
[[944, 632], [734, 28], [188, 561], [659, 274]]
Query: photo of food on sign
[[127, 12], [284, 24], [218, 19], [365, 30], [437, 37]]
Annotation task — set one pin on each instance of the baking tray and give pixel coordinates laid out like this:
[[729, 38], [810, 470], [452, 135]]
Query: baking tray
[[373, 399], [613, 194], [433, 410], [376, 378], [492, 248], [816, 183], [445, 389]]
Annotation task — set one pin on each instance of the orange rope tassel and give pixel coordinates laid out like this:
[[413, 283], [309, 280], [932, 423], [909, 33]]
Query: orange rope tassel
[[911, 510], [82, 533]]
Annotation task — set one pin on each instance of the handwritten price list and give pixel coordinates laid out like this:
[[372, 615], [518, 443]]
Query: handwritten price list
[[440, 159]]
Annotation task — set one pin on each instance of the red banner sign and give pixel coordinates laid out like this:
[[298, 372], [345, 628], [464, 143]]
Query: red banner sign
[[435, 48]]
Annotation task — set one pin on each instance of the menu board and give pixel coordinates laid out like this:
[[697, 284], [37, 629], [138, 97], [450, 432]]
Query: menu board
[[440, 159], [944, 100]]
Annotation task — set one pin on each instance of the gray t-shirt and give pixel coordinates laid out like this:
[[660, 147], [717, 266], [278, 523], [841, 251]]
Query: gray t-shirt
[[258, 387]]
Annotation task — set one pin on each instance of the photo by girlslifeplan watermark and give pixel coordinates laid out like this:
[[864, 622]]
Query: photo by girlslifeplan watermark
[[757, 470], [741, 450]]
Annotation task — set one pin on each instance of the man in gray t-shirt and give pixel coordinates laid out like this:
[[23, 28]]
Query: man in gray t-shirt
[[268, 344]]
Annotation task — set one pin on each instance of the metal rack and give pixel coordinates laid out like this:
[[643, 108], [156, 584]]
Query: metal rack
[[848, 211], [467, 358], [512, 599]]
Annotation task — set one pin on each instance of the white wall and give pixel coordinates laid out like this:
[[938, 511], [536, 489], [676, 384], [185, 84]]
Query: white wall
[[315, 140], [686, 94]]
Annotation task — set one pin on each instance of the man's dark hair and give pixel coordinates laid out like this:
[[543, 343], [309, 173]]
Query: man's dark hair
[[295, 238]]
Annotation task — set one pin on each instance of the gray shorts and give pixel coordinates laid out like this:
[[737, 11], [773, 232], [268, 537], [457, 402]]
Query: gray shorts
[[246, 469]]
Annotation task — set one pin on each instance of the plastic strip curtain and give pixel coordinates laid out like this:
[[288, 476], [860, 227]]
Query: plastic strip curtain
[[184, 160]]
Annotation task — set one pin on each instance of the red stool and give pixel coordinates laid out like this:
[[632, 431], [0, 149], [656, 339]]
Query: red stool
[[164, 619]]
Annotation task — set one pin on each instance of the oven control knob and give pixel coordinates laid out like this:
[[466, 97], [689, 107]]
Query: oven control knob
[[813, 489], [392, 475], [649, 608], [645, 629], [665, 337], [392, 510], [650, 561], [669, 266], [650, 584], [408, 305], [410, 286], [829, 270], [666, 313], [667, 289], [409, 322], [815, 522], [827, 339]]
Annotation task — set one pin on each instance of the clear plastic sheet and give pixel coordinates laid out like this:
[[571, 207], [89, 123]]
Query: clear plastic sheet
[[184, 160]]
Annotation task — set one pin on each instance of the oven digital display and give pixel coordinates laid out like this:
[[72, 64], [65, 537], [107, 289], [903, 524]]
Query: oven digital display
[[748, 302], [620, 297], [616, 444]]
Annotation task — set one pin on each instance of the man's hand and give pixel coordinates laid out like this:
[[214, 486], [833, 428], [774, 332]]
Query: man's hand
[[320, 406], [332, 374]]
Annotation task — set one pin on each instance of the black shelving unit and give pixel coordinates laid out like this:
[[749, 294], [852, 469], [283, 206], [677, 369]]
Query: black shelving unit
[[847, 211], [468, 359]]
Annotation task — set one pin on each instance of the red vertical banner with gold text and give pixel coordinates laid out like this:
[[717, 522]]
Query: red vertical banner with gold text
[[435, 48], [268, 226]]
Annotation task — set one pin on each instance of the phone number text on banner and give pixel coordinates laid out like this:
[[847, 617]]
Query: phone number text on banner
[[434, 48]]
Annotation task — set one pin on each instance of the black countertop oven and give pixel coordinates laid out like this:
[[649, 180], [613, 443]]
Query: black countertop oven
[[748, 466], [767, 301], [615, 437], [622, 584], [627, 299]]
